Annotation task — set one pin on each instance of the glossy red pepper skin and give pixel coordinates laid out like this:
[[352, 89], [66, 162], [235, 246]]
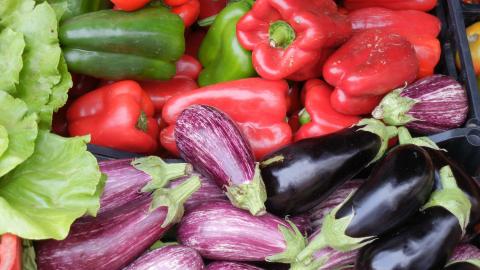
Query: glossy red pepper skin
[[119, 115], [419, 28], [284, 53], [423, 5], [129, 5], [210, 8], [188, 10], [188, 66], [10, 252], [258, 106], [323, 118], [372, 63], [345, 104]]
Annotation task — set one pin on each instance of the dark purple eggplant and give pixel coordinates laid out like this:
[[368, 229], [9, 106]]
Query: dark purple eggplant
[[399, 185], [231, 266], [115, 238], [465, 257], [220, 231], [214, 145], [430, 105], [318, 213], [174, 257], [425, 244], [303, 174], [125, 182], [428, 240]]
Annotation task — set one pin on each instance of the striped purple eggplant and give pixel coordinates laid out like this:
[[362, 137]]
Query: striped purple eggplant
[[125, 182], [465, 257], [213, 144], [174, 257], [431, 105], [231, 266], [116, 237], [337, 197], [303, 223], [220, 231]]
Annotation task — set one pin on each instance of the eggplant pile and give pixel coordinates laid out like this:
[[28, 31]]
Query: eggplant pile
[[300, 208]]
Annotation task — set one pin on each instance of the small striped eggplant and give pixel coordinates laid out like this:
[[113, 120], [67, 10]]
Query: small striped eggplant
[[209, 140], [318, 213], [126, 178], [231, 266], [397, 188], [301, 175], [430, 237], [116, 237], [430, 105], [174, 257], [220, 231], [465, 257]]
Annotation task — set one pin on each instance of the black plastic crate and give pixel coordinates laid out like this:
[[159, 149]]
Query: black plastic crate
[[463, 144]]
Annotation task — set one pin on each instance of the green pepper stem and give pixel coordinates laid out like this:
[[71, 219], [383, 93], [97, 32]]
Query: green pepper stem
[[304, 117], [281, 34], [142, 122], [207, 21]]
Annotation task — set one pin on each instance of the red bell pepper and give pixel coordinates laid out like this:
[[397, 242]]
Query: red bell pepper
[[188, 10], [423, 5], [288, 36], [10, 252], [119, 115], [258, 106], [210, 8], [188, 69], [371, 63], [193, 40], [129, 5], [319, 118], [419, 28], [349, 105], [294, 98]]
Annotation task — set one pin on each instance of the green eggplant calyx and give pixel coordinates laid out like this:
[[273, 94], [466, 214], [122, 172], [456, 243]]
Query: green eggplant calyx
[[304, 117], [160, 171], [250, 196], [451, 197], [272, 160], [394, 108], [174, 199], [384, 132], [281, 34], [294, 242], [142, 122], [405, 137], [475, 262]]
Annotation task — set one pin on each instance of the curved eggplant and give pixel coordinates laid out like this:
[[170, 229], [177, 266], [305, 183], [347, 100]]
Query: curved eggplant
[[462, 266], [397, 188], [465, 182], [301, 175], [425, 244], [174, 257]]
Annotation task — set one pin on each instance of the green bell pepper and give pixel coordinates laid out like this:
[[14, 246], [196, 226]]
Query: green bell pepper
[[117, 45], [221, 55], [72, 8]]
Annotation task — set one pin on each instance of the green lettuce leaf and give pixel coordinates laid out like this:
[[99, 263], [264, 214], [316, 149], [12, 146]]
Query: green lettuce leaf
[[22, 131], [11, 49], [43, 196], [3, 140]]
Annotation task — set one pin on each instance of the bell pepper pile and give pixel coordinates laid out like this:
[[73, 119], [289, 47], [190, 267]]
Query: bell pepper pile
[[282, 70]]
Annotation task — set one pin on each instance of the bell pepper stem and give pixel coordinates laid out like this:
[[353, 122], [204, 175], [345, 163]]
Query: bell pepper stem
[[142, 122], [281, 34], [207, 21], [304, 117]]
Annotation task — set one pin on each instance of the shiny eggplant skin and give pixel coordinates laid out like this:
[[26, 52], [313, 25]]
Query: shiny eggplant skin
[[397, 188], [465, 182], [309, 170], [425, 243], [462, 266]]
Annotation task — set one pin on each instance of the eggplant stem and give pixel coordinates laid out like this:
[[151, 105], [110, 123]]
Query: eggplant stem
[[317, 243], [294, 243], [405, 137], [383, 132]]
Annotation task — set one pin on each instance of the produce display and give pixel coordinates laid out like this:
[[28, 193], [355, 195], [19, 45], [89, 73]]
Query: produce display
[[264, 135]]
